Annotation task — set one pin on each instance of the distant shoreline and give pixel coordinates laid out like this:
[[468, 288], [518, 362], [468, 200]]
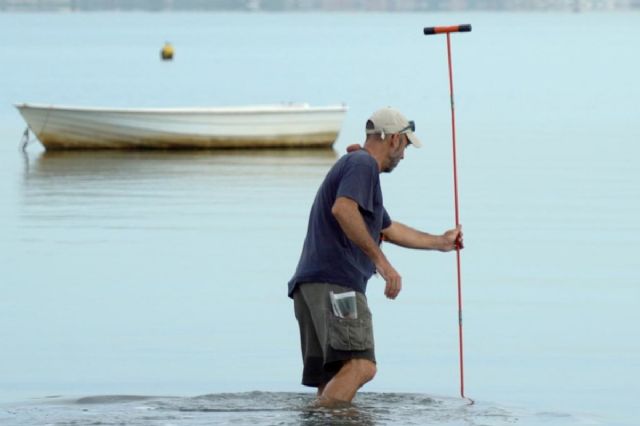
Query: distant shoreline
[[70, 6]]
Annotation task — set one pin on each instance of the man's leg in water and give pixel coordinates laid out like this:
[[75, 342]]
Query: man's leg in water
[[344, 385], [345, 374]]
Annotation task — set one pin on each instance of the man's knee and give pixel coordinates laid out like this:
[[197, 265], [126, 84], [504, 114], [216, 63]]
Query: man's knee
[[366, 369]]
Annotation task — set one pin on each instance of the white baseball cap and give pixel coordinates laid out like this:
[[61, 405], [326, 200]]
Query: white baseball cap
[[388, 121]]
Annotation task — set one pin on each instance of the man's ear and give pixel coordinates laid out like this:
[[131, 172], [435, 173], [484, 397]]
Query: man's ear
[[394, 140]]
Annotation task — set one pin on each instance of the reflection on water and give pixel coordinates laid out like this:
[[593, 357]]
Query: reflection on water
[[163, 186], [267, 408], [175, 164]]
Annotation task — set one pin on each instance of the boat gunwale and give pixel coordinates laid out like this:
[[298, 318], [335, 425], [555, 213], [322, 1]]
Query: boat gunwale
[[257, 109]]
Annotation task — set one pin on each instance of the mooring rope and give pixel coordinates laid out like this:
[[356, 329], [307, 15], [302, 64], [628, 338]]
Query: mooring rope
[[25, 139]]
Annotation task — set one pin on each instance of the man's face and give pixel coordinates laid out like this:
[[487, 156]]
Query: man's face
[[398, 144]]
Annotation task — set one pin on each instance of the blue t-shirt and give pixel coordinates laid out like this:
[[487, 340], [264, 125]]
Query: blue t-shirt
[[328, 255]]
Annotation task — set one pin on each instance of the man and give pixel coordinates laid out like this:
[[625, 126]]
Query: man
[[342, 251]]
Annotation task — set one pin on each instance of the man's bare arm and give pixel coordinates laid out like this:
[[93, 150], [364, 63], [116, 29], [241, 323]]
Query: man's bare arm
[[346, 212], [405, 236]]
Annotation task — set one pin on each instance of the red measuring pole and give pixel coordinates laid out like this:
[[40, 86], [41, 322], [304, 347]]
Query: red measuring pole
[[448, 30]]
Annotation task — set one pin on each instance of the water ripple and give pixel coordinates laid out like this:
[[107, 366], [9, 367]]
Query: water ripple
[[272, 408]]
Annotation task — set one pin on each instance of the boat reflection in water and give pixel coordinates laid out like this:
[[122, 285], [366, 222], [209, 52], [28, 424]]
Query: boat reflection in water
[[251, 166], [138, 184]]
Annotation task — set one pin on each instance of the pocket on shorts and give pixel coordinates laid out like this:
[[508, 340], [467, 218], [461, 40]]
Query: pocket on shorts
[[351, 334]]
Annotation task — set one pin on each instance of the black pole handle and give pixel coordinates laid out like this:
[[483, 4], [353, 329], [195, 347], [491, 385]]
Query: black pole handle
[[465, 28]]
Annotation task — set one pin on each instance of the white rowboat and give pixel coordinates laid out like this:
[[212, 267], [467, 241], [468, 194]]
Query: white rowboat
[[269, 126]]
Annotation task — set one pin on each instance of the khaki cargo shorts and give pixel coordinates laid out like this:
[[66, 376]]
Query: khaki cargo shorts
[[327, 340]]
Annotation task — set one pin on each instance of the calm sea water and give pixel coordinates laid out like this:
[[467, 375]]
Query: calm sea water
[[149, 288]]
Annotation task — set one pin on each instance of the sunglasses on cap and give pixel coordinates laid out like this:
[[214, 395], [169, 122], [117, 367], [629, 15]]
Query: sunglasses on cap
[[410, 127]]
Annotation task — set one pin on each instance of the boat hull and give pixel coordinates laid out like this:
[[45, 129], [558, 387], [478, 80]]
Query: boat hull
[[286, 126]]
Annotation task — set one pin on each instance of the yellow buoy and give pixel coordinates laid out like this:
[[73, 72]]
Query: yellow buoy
[[167, 52]]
